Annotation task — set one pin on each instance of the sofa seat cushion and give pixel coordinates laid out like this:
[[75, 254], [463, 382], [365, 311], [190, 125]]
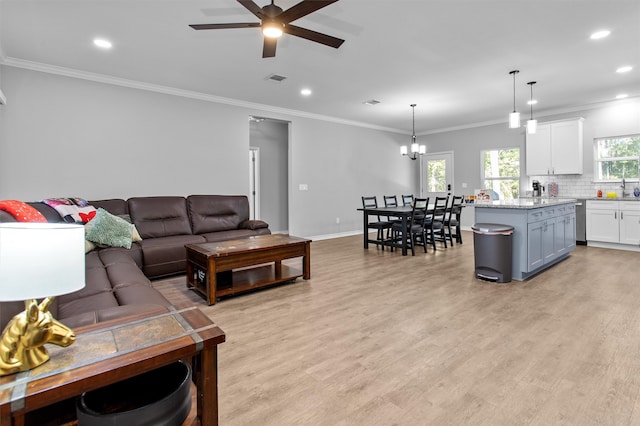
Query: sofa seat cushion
[[156, 217], [135, 253], [80, 305], [235, 234], [108, 314], [139, 295], [122, 270], [167, 255], [211, 213], [96, 279]]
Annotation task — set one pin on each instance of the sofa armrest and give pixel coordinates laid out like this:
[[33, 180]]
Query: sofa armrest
[[253, 224]]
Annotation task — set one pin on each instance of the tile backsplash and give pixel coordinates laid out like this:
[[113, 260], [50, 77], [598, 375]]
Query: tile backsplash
[[580, 186]]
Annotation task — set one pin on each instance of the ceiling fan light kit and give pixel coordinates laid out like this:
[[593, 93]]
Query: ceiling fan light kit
[[272, 29], [275, 21]]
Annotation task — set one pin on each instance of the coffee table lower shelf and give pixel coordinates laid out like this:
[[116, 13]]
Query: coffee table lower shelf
[[243, 280]]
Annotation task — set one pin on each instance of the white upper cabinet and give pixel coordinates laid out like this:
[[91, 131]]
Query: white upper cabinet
[[555, 148]]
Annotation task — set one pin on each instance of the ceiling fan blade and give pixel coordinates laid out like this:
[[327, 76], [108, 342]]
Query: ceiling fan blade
[[302, 9], [313, 36], [223, 26], [252, 7], [269, 48]]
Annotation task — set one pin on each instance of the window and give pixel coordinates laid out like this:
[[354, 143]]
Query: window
[[616, 158], [436, 176], [501, 173]]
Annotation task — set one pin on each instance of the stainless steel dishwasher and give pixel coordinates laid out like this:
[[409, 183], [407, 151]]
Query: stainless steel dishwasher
[[581, 222]]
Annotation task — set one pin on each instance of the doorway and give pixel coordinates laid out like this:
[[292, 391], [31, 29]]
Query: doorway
[[269, 172], [254, 183], [436, 174]]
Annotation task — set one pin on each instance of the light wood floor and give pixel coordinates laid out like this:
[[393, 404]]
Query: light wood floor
[[375, 338]]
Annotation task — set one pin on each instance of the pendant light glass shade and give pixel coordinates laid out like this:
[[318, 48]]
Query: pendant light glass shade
[[514, 120], [532, 124], [514, 117]]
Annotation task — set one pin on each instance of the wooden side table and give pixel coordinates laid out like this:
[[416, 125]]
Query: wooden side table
[[107, 353]]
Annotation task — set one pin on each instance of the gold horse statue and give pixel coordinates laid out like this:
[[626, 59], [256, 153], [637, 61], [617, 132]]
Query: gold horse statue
[[22, 345]]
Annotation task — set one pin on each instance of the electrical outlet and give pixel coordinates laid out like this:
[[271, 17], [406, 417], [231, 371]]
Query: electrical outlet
[[303, 187], [337, 221], [464, 184]]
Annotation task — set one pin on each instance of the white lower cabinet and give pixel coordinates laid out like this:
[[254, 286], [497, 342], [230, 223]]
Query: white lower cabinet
[[616, 222]]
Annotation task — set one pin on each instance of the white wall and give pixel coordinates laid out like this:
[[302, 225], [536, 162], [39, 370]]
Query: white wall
[[61, 136]]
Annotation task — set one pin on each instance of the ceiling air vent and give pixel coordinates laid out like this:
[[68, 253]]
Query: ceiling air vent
[[276, 78], [371, 102]]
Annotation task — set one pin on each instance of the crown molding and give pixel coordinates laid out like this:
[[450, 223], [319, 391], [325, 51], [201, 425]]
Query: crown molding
[[541, 114], [167, 90]]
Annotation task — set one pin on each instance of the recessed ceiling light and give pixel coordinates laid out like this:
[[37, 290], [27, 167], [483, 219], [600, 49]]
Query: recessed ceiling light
[[626, 68], [305, 92], [100, 42], [622, 96], [532, 102], [600, 34], [371, 102]]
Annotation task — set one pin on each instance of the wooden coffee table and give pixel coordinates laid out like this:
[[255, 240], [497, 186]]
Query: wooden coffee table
[[228, 267]]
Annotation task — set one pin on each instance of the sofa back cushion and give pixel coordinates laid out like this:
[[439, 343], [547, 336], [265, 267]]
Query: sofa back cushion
[[47, 211], [159, 216], [211, 213], [115, 206]]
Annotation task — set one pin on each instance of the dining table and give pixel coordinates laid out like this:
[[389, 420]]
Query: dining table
[[401, 213]]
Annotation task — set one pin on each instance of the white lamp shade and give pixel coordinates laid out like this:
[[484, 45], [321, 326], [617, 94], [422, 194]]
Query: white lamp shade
[[404, 150], [414, 148], [532, 126], [423, 149], [40, 259], [514, 120]]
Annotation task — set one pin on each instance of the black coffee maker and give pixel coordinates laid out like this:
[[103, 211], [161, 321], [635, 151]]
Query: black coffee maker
[[537, 189]]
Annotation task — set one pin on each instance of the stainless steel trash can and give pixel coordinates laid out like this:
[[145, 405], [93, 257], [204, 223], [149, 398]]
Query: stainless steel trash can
[[492, 246]]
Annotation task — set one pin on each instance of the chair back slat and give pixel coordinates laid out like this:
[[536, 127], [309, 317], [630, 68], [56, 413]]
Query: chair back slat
[[407, 200], [390, 201]]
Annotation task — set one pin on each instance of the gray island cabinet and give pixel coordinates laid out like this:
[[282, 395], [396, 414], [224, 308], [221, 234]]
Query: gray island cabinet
[[544, 230]]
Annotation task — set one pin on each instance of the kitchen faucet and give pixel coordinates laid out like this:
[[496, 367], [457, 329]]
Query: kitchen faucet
[[623, 186]]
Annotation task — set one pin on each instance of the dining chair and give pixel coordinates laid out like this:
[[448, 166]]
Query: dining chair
[[454, 219], [440, 217], [407, 200], [415, 232], [380, 225], [391, 201]]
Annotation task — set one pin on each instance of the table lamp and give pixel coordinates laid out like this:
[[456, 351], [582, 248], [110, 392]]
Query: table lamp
[[37, 260]]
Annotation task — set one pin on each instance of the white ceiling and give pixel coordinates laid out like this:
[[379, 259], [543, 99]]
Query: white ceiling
[[450, 57]]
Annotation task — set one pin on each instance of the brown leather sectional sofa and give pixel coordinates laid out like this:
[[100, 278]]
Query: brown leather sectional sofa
[[117, 279]]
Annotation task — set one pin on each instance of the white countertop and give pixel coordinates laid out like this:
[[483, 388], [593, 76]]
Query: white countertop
[[614, 199], [526, 203]]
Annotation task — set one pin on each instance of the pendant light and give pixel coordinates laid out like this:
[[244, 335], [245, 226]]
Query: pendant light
[[532, 124], [514, 117], [416, 149]]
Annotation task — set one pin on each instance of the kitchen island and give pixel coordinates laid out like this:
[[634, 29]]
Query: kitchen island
[[544, 230]]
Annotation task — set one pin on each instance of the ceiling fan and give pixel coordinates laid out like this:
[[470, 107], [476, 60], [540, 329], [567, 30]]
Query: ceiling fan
[[275, 21]]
